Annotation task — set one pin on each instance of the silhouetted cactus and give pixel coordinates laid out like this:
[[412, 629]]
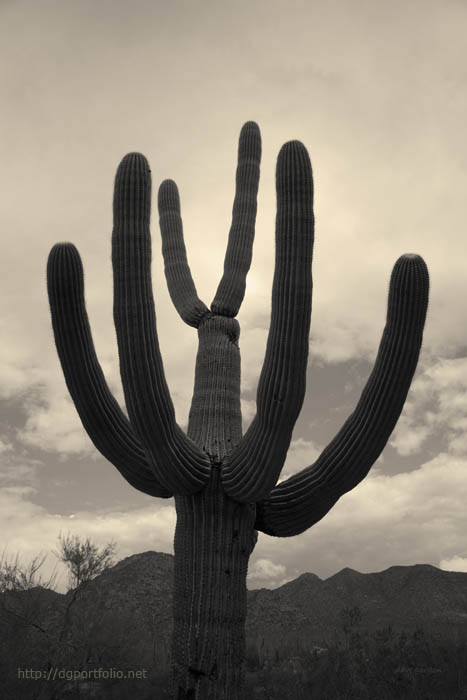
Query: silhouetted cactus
[[223, 483]]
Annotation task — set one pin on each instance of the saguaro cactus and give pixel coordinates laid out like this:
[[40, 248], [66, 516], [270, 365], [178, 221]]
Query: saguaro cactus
[[224, 483]]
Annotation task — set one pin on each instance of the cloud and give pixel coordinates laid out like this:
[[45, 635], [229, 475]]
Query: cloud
[[18, 368], [18, 468], [454, 564], [409, 439], [55, 426], [264, 573], [5, 446], [436, 406], [335, 338]]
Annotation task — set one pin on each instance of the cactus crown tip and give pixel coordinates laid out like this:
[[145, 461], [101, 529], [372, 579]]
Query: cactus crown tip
[[293, 145], [134, 159], [294, 152], [251, 125], [413, 260], [411, 256], [63, 246]]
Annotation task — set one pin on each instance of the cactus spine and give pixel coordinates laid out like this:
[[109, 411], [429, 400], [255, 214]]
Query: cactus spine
[[224, 483]]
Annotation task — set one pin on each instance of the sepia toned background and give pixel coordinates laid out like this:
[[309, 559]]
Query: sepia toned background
[[377, 94]]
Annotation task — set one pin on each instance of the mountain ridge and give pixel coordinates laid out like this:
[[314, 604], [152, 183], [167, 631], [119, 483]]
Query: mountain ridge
[[295, 618]]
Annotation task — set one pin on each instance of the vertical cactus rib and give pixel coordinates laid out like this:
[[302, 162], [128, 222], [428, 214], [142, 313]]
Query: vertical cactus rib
[[177, 272], [231, 289], [254, 466], [176, 460], [102, 418], [297, 503]]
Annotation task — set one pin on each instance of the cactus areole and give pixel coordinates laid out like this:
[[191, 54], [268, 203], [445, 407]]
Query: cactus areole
[[223, 482]]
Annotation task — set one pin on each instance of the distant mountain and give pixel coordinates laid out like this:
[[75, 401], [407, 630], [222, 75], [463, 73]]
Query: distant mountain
[[307, 612], [301, 614], [136, 597]]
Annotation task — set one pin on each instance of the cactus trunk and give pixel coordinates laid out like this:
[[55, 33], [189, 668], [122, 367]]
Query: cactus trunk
[[214, 538]]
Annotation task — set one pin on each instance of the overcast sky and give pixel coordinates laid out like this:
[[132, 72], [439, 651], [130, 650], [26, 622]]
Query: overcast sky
[[376, 92]]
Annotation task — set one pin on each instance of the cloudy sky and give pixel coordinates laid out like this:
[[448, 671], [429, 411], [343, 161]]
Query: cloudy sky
[[376, 91]]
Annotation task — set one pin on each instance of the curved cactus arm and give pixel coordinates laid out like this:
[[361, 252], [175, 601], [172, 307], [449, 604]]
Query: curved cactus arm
[[177, 272], [102, 417], [303, 499], [254, 466], [231, 289], [177, 462]]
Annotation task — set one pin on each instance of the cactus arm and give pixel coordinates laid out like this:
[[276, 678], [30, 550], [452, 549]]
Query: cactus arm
[[178, 463], [254, 466], [102, 418], [177, 272], [303, 499], [231, 289]]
